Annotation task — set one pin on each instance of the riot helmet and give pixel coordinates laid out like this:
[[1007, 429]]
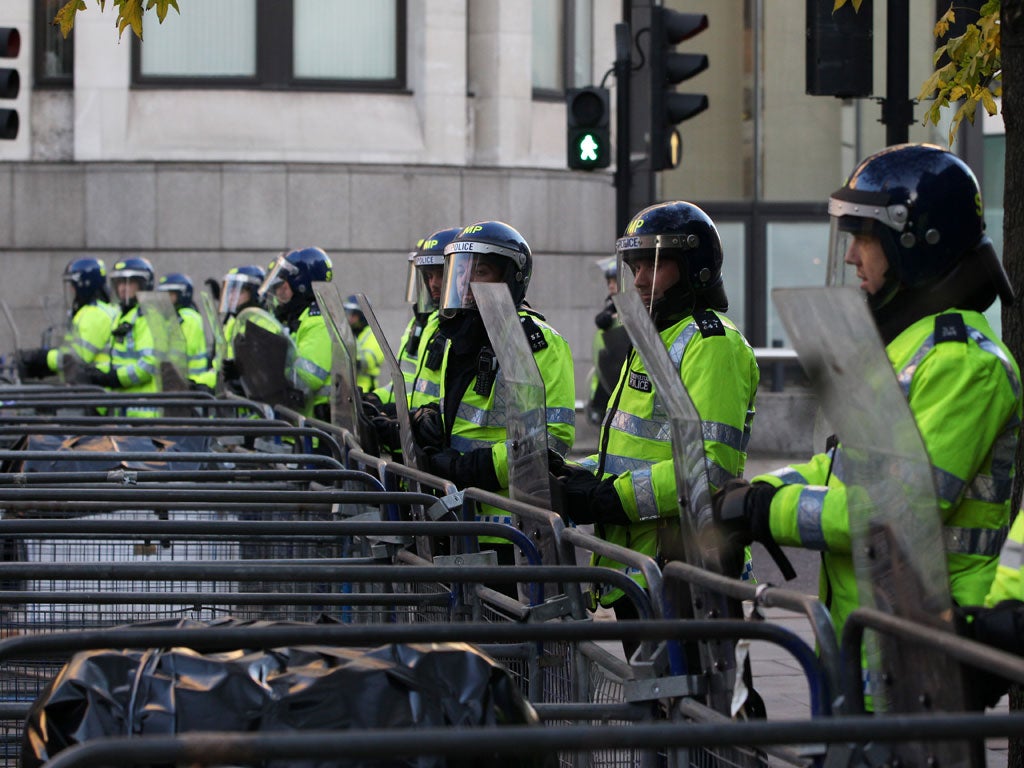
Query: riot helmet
[[86, 280], [922, 205], [609, 267], [428, 269], [299, 269], [177, 283], [135, 271], [672, 255], [356, 318], [240, 289], [488, 251]]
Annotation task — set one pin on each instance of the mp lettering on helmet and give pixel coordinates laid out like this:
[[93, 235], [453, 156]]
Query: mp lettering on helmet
[[472, 229], [978, 207], [428, 244], [634, 225]]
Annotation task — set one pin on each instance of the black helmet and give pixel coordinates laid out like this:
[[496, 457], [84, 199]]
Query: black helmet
[[87, 277], [486, 245], [923, 204], [425, 260], [180, 283], [683, 233], [132, 268], [238, 279], [300, 269]]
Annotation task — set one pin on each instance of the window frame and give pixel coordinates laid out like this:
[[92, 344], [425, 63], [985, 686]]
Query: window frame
[[274, 59], [569, 17], [42, 23]]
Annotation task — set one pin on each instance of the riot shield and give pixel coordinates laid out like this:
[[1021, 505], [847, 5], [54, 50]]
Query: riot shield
[[345, 401], [695, 541], [10, 343], [525, 398], [895, 524], [216, 344], [168, 340], [410, 454], [264, 355]]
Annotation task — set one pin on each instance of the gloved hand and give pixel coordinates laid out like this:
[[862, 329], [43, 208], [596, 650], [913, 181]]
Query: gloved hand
[[471, 469], [378, 428], [229, 369], [605, 319], [32, 364], [105, 379], [294, 399], [583, 497], [196, 386], [742, 514], [556, 463], [428, 429], [1002, 627]]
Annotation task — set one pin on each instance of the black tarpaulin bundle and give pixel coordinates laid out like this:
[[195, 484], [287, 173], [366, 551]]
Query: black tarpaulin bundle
[[135, 692], [86, 444]]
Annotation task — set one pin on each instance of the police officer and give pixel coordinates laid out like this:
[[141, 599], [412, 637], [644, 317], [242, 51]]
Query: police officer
[[369, 355], [464, 434], [290, 283], [673, 256], [201, 374], [610, 345], [908, 220], [92, 319], [134, 359], [239, 289]]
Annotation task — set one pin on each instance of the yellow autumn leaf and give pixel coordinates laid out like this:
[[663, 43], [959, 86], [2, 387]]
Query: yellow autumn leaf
[[66, 16]]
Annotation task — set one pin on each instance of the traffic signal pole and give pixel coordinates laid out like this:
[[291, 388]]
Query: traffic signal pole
[[623, 168]]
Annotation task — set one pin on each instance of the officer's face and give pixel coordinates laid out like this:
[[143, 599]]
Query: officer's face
[[283, 292], [126, 288], [478, 271], [652, 283], [866, 254], [435, 279]]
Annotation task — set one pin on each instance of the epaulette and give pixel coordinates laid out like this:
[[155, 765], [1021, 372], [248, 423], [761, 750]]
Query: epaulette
[[534, 334], [708, 323], [950, 327]]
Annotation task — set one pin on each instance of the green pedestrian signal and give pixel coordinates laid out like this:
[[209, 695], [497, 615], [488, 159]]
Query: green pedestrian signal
[[588, 140]]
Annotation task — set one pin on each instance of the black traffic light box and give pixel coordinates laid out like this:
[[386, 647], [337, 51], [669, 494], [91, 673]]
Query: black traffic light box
[[10, 81], [588, 137], [839, 59], [668, 67]]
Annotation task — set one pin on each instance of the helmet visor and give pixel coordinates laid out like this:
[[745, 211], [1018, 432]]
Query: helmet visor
[[429, 281], [640, 267], [279, 273], [234, 293], [461, 270], [410, 281], [842, 231]]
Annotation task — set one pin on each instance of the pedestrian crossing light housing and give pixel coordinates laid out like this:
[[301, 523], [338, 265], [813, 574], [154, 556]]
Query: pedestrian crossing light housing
[[588, 139]]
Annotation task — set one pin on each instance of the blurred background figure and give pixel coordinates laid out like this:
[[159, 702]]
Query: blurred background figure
[[610, 346], [369, 355], [200, 374]]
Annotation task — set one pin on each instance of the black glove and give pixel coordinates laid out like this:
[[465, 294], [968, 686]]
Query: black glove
[[370, 399], [428, 428], [471, 469], [105, 379], [32, 364], [583, 497], [605, 319], [196, 386], [229, 369], [1001, 627], [742, 514], [294, 399], [556, 463]]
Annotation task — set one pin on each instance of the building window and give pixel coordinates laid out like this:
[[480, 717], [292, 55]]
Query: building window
[[277, 44], [54, 56], [562, 46]]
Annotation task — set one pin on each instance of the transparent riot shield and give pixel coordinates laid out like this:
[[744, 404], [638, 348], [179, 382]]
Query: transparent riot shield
[[695, 541], [345, 401], [10, 343], [168, 340], [895, 525], [216, 344], [410, 454], [265, 356], [525, 398]]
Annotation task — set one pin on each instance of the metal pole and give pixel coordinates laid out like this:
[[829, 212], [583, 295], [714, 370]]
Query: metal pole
[[897, 108], [623, 174]]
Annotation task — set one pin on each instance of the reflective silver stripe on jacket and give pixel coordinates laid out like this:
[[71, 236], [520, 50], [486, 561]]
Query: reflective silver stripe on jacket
[[1012, 555], [643, 491], [308, 366], [789, 476], [985, 542], [427, 387], [464, 444], [618, 465], [808, 519], [906, 375]]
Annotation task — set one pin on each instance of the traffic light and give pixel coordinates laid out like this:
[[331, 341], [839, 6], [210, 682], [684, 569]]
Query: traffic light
[[588, 141], [10, 81], [667, 67]]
